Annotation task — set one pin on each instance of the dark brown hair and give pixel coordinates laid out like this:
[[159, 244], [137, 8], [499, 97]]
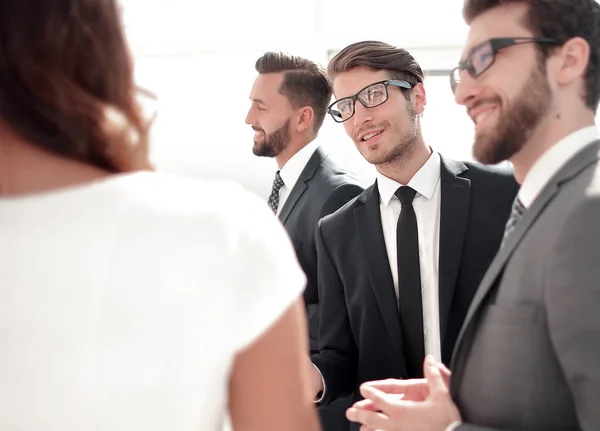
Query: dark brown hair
[[374, 55], [561, 20], [66, 80], [305, 82]]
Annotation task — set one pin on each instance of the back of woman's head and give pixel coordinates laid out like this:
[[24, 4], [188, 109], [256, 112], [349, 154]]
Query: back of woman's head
[[66, 80]]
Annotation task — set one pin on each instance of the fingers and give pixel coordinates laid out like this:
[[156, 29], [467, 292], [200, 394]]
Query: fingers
[[365, 405], [382, 413], [444, 371], [378, 399], [393, 386], [446, 374], [435, 381], [369, 420]]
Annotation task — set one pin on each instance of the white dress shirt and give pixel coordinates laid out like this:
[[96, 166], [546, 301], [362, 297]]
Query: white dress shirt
[[426, 182], [552, 160], [290, 172]]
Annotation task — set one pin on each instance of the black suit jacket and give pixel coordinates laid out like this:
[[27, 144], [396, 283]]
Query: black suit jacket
[[321, 189], [360, 337]]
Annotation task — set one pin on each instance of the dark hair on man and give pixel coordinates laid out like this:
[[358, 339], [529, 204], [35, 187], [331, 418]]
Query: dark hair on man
[[561, 20], [66, 79], [374, 55], [305, 82]]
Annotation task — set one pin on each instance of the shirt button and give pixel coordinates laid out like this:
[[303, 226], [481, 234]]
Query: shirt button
[[427, 332], [424, 291]]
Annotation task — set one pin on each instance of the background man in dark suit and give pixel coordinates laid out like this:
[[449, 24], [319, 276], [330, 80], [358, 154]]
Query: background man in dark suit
[[399, 265], [528, 355], [289, 99]]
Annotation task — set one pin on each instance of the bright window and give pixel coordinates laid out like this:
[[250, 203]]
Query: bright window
[[201, 66]]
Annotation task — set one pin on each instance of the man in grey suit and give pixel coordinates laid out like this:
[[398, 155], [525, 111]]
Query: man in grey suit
[[528, 355], [289, 101]]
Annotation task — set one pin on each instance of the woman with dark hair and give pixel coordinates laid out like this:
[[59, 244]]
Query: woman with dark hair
[[129, 299]]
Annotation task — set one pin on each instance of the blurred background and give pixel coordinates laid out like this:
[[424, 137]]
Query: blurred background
[[198, 58]]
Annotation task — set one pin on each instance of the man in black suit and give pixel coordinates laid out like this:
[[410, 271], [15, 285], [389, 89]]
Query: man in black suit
[[528, 354], [289, 101], [399, 265]]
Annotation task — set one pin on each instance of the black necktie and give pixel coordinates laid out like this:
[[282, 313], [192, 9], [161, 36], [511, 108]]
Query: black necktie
[[274, 197], [410, 303], [516, 213]]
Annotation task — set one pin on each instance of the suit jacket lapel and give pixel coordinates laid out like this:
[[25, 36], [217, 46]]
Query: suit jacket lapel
[[370, 234], [583, 159], [491, 276], [307, 173], [455, 199]]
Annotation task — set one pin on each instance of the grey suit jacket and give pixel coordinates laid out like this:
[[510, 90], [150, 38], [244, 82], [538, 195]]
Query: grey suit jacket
[[528, 355]]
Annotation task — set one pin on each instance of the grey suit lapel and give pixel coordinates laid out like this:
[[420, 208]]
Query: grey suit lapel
[[370, 234], [454, 215], [307, 173], [580, 161]]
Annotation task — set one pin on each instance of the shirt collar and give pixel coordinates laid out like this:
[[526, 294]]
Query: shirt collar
[[290, 172], [552, 160], [423, 182]]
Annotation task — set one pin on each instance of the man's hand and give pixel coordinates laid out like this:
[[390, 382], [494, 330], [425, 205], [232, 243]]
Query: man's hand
[[316, 381], [408, 390], [407, 405]]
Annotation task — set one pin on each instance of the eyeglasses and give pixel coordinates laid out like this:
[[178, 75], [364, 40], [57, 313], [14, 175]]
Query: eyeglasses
[[371, 96], [483, 55]]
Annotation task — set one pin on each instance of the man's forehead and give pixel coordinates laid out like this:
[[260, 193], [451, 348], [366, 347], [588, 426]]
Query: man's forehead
[[266, 86], [350, 82], [507, 20]]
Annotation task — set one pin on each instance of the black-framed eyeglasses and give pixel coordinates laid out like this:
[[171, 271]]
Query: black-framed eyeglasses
[[371, 96], [483, 55]]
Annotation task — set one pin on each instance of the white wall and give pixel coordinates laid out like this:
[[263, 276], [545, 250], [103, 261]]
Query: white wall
[[201, 66]]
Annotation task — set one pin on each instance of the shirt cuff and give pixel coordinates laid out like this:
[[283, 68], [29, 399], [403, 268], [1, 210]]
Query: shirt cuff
[[453, 426], [320, 395]]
